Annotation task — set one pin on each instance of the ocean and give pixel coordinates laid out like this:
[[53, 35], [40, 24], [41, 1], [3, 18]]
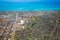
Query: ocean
[[39, 5]]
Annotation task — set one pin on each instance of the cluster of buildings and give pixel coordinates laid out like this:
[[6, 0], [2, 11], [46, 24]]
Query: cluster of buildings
[[7, 24], [11, 21]]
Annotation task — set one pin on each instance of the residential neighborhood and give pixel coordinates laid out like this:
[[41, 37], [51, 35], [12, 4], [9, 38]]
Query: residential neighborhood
[[29, 25]]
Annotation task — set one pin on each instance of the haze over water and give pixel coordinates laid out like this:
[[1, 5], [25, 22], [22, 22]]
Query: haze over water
[[30, 5]]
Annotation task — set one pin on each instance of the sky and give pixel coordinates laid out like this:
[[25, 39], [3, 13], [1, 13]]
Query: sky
[[29, 4]]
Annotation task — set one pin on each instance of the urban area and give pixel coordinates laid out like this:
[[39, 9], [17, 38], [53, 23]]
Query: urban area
[[29, 25]]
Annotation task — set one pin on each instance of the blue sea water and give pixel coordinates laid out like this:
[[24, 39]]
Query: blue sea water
[[39, 5]]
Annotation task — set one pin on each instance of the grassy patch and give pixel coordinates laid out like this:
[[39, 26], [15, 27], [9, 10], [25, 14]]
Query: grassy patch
[[29, 38], [15, 36]]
